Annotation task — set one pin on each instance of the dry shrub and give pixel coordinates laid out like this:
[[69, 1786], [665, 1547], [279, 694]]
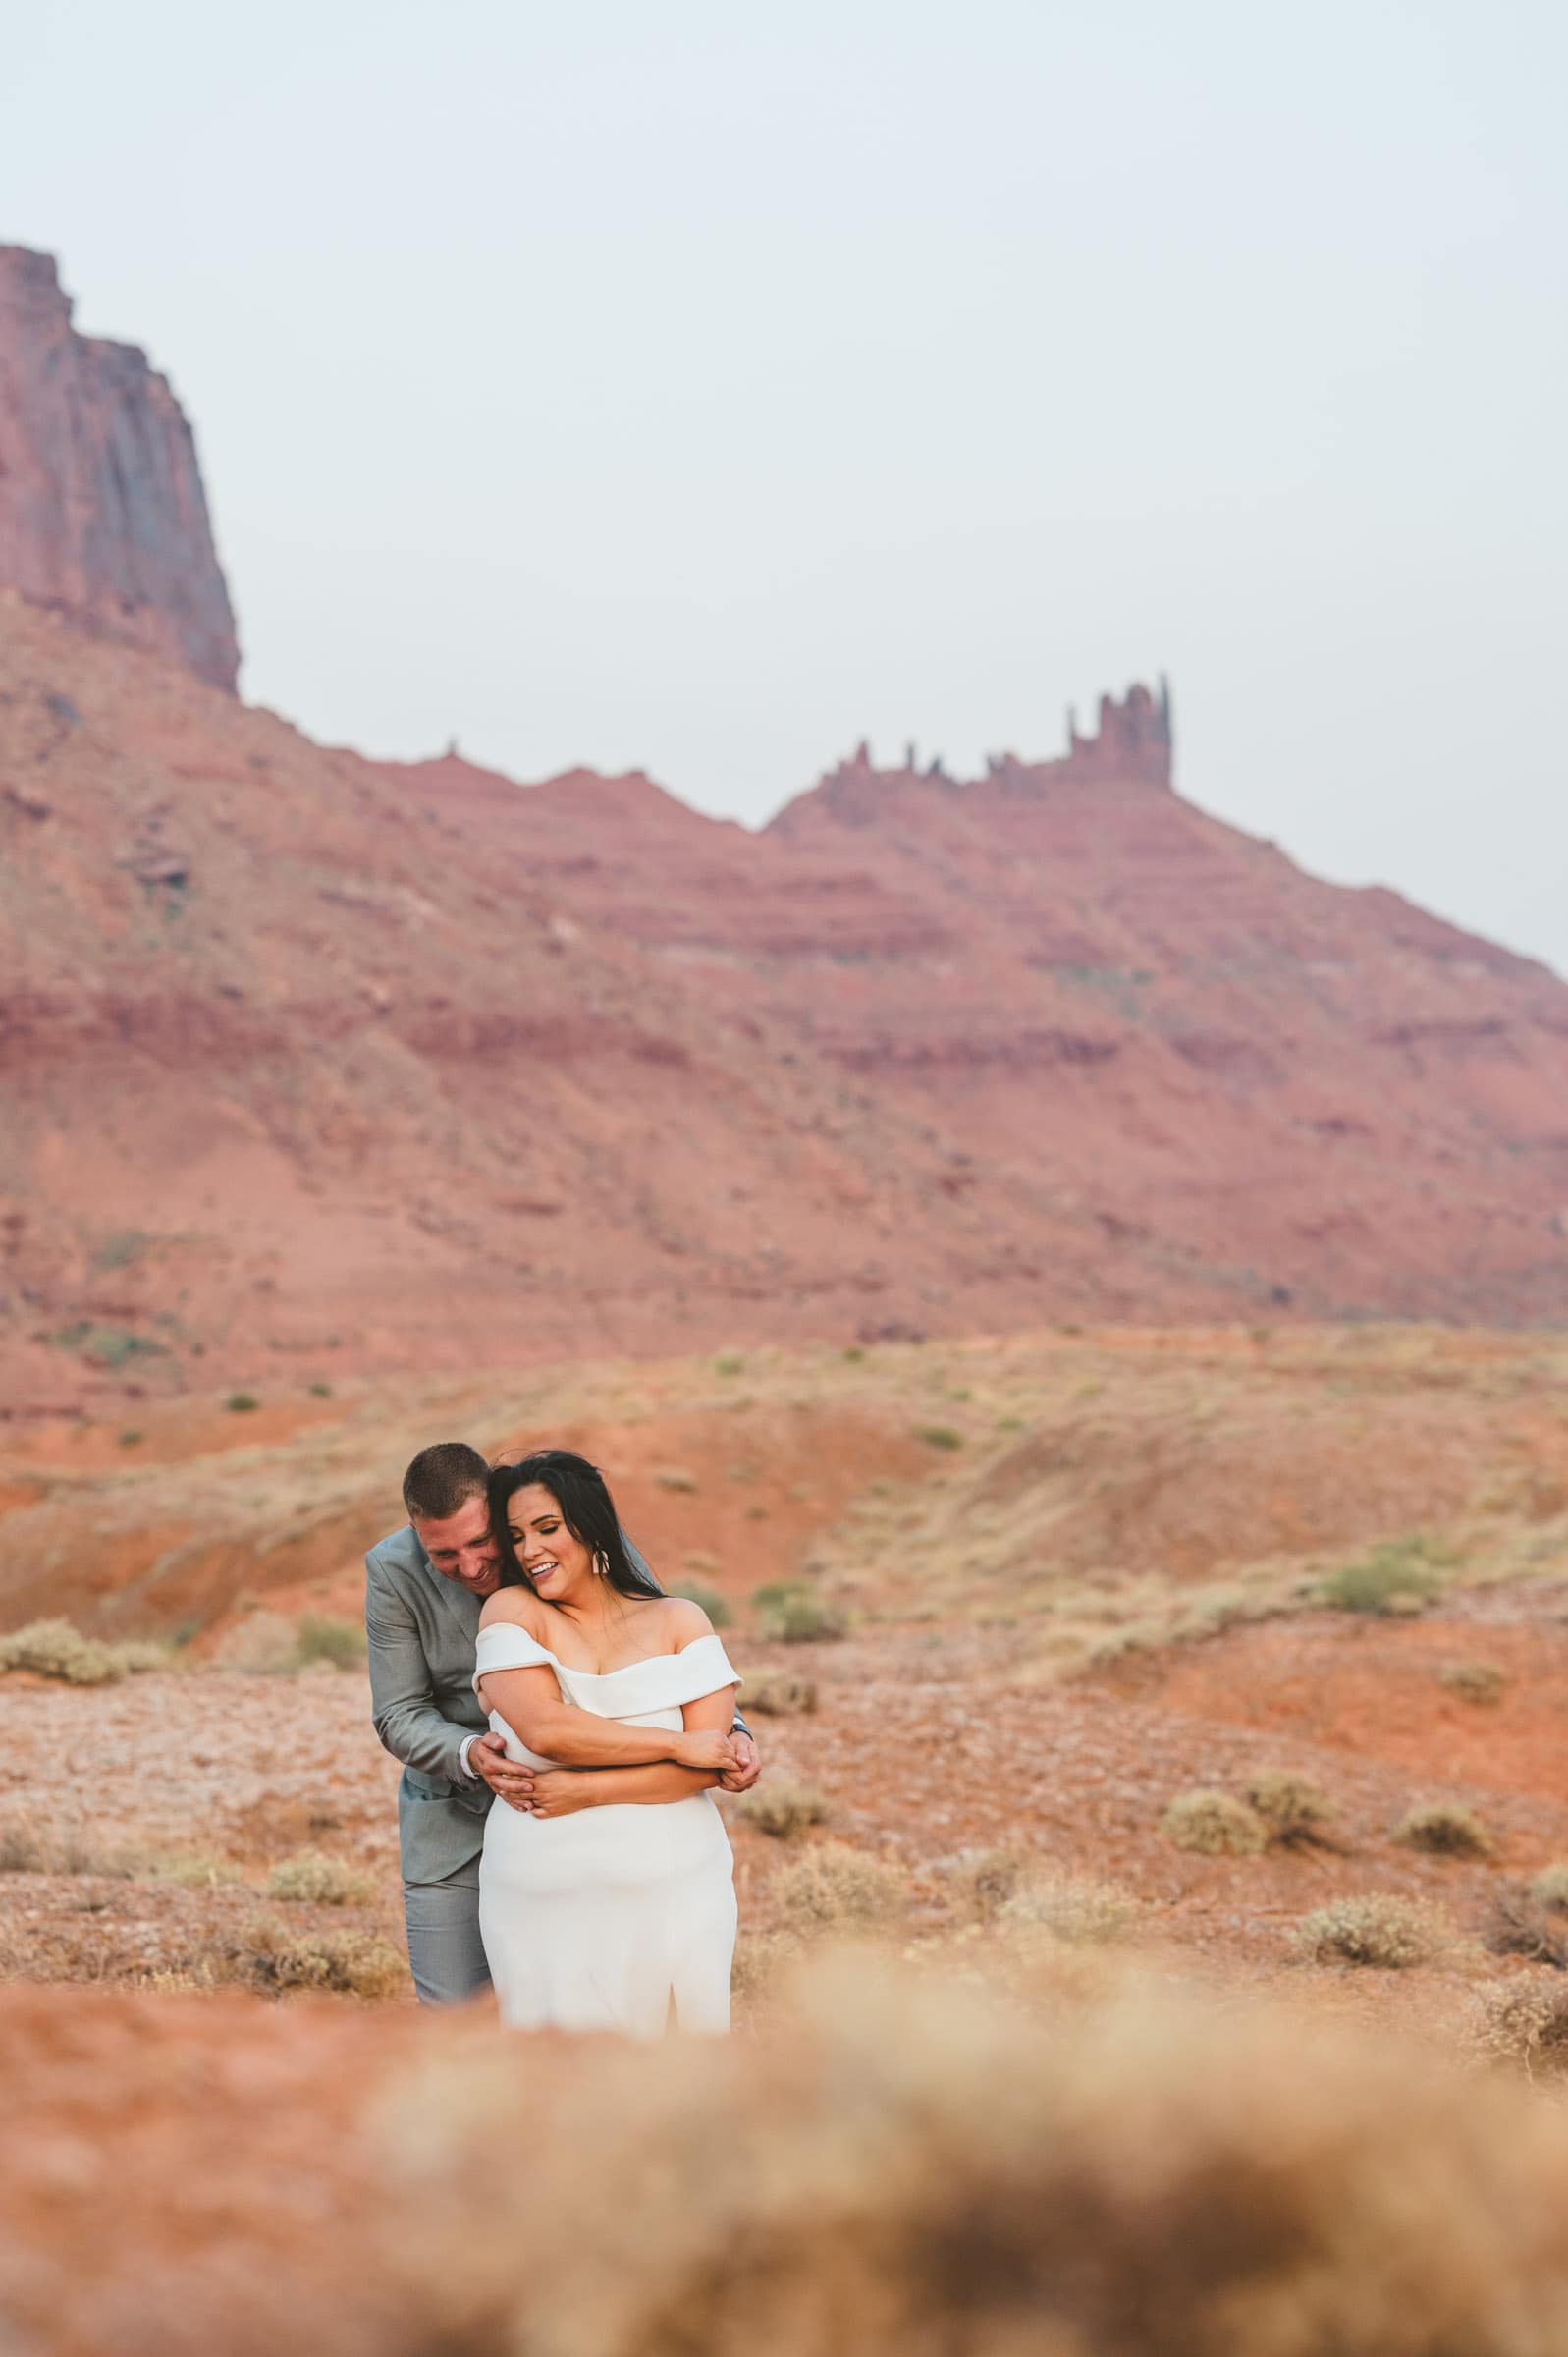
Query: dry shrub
[[263, 1646], [56, 1649], [1549, 1889], [781, 1809], [320, 1638], [1520, 1926], [779, 1698], [1293, 1809], [914, 2172], [984, 1880], [345, 1963], [1482, 1683], [27, 1847], [1075, 1907], [788, 1614], [312, 1879], [1527, 2025], [1444, 1830], [1213, 1825], [831, 1888], [1380, 1929]]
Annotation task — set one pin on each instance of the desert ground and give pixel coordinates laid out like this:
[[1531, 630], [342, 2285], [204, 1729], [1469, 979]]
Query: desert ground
[[1100, 1674]]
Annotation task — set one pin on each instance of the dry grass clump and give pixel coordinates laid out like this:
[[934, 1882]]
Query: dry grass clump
[[781, 1809], [58, 1649], [1549, 1889], [345, 1963], [320, 1638], [899, 2171], [1481, 1683], [1520, 1926], [1380, 1928], [1076, 1907], [27, 1847], [310, 1877], [984, 1880], [779, 1698], [1527, 2025], [1213, 1825], [831, 1888], [790, 1614], [1444, 1830], [1294, 1810]]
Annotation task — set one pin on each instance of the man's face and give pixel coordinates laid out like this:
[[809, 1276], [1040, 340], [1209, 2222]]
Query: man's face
[[462, 1549]]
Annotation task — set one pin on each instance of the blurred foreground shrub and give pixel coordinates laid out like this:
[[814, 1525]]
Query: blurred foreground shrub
[[906, 2170]]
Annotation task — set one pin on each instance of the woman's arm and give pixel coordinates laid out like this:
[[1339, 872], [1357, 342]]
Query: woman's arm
[[561, 1791], [529, 1701]]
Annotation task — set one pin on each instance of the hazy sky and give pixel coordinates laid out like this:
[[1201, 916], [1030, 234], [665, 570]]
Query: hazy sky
[[704, 386]]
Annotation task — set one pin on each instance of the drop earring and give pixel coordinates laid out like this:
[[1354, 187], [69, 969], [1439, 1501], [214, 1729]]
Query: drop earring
[[601, 1565]]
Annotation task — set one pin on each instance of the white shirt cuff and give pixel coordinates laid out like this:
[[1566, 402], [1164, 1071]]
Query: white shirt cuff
[[464, 1749]]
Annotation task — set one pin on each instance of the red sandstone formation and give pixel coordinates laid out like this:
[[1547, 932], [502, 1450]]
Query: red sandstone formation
[[102, 512], [313, 1063]]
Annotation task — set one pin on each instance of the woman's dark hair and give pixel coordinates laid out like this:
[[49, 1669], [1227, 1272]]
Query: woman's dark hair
[[587, 1509]]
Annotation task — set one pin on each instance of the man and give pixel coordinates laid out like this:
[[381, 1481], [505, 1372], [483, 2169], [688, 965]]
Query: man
[[424, 1586]]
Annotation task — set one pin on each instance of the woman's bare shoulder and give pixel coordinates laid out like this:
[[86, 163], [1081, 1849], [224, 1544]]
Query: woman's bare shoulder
[[678, 1622], [518, 1605]]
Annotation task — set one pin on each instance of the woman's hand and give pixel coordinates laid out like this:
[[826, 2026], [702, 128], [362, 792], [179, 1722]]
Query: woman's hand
[[560, 1792], [706, 1749]]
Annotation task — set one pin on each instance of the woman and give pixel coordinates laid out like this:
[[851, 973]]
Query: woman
[[600, 1916]]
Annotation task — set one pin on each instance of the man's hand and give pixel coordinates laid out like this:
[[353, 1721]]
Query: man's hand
[[558, 1792], [509, 1780], [747, 1767]]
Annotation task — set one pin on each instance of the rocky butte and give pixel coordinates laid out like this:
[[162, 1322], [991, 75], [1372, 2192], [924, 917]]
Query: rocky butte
[[311, 1064], [102, 512]]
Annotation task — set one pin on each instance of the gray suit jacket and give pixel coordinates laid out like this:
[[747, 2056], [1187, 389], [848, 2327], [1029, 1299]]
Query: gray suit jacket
[[422, 1631]]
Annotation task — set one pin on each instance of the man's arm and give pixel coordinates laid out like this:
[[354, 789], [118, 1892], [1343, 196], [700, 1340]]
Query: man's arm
[[403, 1702]]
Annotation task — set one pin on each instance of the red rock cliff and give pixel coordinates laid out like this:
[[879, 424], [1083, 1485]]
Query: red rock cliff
[[102, 512]]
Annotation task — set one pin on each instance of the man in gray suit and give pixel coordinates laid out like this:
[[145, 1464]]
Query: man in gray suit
[[424, 1586]]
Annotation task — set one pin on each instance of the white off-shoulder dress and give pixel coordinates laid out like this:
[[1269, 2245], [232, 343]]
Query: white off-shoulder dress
[[612, 1917]]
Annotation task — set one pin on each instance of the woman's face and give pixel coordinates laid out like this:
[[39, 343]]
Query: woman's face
[[557, 1565]]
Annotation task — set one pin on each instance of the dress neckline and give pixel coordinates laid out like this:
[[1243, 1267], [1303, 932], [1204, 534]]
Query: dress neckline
[[638, 1661]]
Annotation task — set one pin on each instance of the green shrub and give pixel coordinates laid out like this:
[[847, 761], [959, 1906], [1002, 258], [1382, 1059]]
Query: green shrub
[[1382, 1930], [790, 1614], [939, 1436], [1444, 1830], [1213, 1825], [1399, 1575], [831, 1886], [322, 1639], [672, 1478], [311, 1878], [1293, 1809], [1481, 1683], [781, 1809], [716, 1605], [319, 1391], [779, 1698], [131, 1438], [729, 1363], [240, 1403]]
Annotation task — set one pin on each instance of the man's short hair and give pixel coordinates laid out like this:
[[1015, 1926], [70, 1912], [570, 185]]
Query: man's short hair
[[442, 1478]]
